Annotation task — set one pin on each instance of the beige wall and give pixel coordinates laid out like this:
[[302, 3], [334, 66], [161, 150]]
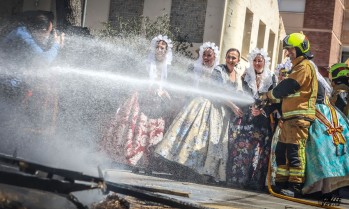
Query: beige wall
[[213, 25], [232, 16], [97, 12], [294, 21], [229, 36], [213, 21], [282, 34], [234, 25]]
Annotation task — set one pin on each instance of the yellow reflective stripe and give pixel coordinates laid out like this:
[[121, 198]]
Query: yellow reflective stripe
[[282, 172], [314, 83], [275, 100], [297, 172], [299, 112], [301, 154], [297, 94]]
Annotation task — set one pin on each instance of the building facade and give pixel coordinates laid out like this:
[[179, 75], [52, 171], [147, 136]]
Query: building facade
[[326, 25], [228, 23], [242, 24]]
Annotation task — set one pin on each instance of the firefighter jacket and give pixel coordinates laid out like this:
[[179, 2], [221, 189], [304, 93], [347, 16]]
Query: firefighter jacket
[[298, 92]]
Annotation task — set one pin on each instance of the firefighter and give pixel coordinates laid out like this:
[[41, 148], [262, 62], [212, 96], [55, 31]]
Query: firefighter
[[339, 75], [298, 93]]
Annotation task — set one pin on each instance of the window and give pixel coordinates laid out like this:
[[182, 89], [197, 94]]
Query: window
[[261, 35], [271, 44], [247, 33], [345, 56]]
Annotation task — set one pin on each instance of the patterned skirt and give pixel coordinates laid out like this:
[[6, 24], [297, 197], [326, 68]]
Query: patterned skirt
[[132, 134], [249, 156], [327, 167], [198, 139]]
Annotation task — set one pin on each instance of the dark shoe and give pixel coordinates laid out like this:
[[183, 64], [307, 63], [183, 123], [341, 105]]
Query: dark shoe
[[279, 186], [294, 190]]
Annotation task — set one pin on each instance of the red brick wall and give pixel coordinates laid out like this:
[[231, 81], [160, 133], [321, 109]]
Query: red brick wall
[[319, 14], [327, 17], [345, 37], [320, 45]]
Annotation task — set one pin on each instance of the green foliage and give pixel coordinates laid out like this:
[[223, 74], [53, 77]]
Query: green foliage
[[144, 27]]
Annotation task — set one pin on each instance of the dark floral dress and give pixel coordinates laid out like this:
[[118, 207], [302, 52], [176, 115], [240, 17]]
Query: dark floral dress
[[249, 148]]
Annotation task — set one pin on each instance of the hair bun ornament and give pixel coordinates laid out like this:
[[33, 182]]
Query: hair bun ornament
[[253, 54], [153, 45], [215, 49], [211, 45], [162, 38]]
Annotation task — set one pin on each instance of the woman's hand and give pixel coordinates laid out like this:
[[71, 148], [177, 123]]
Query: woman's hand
[[59, 39], [237, 111]]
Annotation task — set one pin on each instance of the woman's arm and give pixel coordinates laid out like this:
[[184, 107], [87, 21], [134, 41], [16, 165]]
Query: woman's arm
[[237, 111], [46, 56]]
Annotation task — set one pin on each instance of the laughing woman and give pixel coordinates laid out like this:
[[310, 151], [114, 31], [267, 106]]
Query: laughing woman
[[251, 134], [197, 141], [327, 146]]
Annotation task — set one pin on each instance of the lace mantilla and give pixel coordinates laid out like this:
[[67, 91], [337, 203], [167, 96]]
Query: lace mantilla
[[203, 47], [155, 66], [266, 78], [153, 44]]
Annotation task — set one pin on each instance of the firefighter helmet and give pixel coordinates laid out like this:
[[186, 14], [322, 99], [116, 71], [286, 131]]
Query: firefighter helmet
[[298, 40], [339, 70]]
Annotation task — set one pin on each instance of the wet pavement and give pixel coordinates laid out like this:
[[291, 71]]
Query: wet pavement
[[207, 195]]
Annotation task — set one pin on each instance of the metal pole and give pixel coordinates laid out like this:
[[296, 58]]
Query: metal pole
[[84, 14]]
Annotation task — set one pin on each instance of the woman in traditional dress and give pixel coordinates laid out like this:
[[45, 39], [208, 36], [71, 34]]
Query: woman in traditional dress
[[139, 122], [197, 140], [327, 150], [251, 134]]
